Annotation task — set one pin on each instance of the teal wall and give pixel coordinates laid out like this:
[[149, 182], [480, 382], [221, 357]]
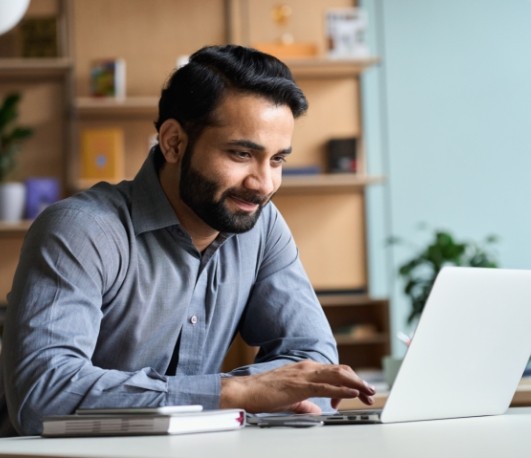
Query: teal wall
[[447, 119]]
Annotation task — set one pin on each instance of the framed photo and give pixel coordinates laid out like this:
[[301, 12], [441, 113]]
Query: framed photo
[[346, 32]]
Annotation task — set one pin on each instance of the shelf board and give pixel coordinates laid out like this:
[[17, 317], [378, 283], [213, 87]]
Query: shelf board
[[17, 228], [35, 69], [129, 106], [349, 300], [322, 67], [376, 339], [298, 185], [338, 182]]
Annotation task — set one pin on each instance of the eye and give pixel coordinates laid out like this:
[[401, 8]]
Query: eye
[[278, 159], [240, 155]]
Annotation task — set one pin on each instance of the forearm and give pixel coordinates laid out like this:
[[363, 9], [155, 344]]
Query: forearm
[[65, 387]]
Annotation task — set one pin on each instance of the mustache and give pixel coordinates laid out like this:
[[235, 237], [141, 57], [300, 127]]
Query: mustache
[[248, 196]]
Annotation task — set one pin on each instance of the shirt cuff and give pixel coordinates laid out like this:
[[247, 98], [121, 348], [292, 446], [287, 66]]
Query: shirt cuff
[[195, 389]]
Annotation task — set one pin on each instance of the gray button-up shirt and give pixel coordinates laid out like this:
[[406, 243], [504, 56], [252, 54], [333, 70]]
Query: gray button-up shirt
[[109, 286]]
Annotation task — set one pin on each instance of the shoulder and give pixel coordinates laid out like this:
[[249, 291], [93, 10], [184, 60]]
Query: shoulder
[[98, 213]]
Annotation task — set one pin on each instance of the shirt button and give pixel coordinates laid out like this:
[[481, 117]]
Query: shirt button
[[193, 319]]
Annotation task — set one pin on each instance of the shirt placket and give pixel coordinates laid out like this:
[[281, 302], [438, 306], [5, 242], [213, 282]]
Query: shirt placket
[[193, 332]]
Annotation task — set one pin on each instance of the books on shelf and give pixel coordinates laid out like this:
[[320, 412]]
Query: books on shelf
[[107, 78], [302, 170], [102, 154], [138, 423]]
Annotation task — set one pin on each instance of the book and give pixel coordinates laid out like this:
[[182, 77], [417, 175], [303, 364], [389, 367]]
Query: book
[[303, 170], [107, 78], [128, 424], [102, 154]]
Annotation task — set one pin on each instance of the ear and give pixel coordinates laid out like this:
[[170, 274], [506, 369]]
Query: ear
[[172, 140]]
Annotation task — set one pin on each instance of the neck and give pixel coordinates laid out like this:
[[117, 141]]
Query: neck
[[202, 234]]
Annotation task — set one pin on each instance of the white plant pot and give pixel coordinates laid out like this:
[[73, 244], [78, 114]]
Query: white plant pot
[[12, 201]]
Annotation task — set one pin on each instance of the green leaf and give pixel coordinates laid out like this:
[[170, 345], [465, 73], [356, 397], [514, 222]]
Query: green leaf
[[11, 136], [418, 273]]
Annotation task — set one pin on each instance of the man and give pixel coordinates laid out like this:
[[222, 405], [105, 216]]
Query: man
[[130, 295]]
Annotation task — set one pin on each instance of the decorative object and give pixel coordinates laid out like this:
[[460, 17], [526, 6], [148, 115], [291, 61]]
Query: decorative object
[[285, 46], [346, 28], [12, 201], [418, 273], [341, 155], [11, 11], [12, 195], [39, 37], [40, 192]]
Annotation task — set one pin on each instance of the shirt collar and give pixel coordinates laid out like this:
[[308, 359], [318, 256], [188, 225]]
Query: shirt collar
[[150, 208]]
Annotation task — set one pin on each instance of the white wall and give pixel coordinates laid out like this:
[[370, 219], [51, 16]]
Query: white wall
[[447, 118]]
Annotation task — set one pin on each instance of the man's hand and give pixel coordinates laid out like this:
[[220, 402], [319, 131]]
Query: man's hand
[[288, 388]]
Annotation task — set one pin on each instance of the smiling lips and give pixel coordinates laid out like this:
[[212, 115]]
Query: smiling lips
[[247, 202], [245, 205]]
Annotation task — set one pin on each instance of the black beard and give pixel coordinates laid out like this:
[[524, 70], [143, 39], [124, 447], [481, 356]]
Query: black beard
[[198, 192]]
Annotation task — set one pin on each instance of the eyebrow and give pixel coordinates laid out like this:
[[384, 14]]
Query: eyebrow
[[256, 147]]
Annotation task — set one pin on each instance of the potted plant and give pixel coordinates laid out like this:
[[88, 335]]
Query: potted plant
[[12, 195], [418, 273]]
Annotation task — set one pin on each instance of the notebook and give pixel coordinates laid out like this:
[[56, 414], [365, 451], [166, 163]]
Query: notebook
[[138, 421], [467, 356]]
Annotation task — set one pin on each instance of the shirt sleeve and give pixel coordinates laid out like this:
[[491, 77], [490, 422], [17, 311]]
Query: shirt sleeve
[[67, 263]]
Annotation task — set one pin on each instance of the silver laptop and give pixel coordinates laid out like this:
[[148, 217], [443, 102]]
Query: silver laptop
[[467, 356]]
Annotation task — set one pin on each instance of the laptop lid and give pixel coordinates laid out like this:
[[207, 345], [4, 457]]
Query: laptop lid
[[470, 348]]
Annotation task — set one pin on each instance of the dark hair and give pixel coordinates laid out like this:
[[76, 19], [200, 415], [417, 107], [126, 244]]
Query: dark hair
[[193, 92]]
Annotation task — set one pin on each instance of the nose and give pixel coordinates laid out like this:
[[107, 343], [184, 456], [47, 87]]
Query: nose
[[263, 180]]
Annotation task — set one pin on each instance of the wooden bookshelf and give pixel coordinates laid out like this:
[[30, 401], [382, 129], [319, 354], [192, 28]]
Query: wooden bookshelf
[[35, 69]]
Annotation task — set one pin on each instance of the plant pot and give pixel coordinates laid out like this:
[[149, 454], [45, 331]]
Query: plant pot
[[12, 201], [391, 366]]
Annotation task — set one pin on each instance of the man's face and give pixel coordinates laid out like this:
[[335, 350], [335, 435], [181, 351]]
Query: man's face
[[233, 169]]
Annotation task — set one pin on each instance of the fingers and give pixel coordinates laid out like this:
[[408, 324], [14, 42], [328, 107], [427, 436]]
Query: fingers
[[288, 388], [344, 377]]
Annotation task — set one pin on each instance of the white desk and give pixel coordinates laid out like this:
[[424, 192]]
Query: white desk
[[506, 435], [521, 398]]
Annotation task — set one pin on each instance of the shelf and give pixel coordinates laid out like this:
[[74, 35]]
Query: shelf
[[376, 339], [34, 69], [349, 300], [329, 68], [112, 107], [8, 229], [326, 182], [299, 184]]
